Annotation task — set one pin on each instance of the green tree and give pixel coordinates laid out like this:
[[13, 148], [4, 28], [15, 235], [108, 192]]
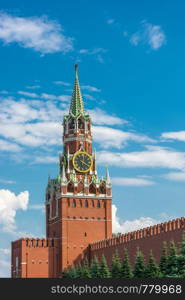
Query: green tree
[[86, 270], [172, 266], [164, 260], [95, 268], [104, 269], [152, 269], [65, 274], [126, 270], [181, 257], [69, 273], [139, 268], [79, 271], [116, 266]]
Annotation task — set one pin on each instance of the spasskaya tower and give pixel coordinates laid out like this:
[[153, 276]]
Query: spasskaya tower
[[78, 203]]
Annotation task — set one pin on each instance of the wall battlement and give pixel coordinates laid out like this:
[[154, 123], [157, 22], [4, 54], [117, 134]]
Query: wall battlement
[[140, 234], [36, 242]]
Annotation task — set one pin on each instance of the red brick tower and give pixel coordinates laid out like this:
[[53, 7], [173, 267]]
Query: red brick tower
[[78, 203]]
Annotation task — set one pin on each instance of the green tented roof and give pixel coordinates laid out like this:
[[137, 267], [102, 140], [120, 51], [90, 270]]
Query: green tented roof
[[77, 106]]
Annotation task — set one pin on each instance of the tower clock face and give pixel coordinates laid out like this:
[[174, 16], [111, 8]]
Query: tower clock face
[[82, 162]]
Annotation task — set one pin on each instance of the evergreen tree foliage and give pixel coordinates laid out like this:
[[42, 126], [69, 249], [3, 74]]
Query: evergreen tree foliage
[[152, 269], [104, 269], [95, 268], [69, 273], [181, 258], [126, 270], [139, 268], [172, 266], [86, 270], [79, 271], [164, 260], [116, 266]]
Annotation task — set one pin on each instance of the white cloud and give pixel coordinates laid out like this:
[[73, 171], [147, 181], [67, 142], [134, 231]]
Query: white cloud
[[37, 33], [36, 123], [38, 207], [62, 83], [46, 96], [5, 268], [96, 52], [5, 262], [28, 94], [5, 251], [121, 181], [6, 181], [90, 88], [149, 34], [29, 123], [110, 137], [9, 204], [33, 87], [90, 97], [174, 135], [46, 159], [175, 176], [154, 156], [100, 117], [128, 226], [9, 147]]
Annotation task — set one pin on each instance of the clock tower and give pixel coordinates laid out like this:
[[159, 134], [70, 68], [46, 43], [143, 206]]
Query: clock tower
[[78, 202]]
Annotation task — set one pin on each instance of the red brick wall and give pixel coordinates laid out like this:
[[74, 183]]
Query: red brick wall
[[35, 258], [146, 239], [81, 226]]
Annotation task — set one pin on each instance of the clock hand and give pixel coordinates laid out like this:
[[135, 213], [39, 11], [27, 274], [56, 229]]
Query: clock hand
[[84, 163]]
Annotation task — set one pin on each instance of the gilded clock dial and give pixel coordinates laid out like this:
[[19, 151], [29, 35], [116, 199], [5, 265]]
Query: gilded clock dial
[[82, 162]]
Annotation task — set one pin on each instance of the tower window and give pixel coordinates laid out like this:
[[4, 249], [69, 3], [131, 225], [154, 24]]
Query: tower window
[[86, 203], [98, 204], [74, 203], [80, 124], [71, 124], [85, 234], [70, 187], [102, 189]]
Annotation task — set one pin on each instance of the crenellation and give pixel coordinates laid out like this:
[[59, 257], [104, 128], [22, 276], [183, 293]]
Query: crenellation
[[142, 233]]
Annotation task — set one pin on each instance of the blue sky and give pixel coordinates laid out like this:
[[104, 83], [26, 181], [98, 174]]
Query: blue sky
[[131, 66]]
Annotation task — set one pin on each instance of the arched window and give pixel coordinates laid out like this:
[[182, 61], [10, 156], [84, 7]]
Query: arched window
[[74, 203], [80, 187], [80, 124], [70, 187], [98, 204], [92, 203], [68, 202], [102, 189], [80, 201], [71, 124], [86, 203], [92, 189]]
